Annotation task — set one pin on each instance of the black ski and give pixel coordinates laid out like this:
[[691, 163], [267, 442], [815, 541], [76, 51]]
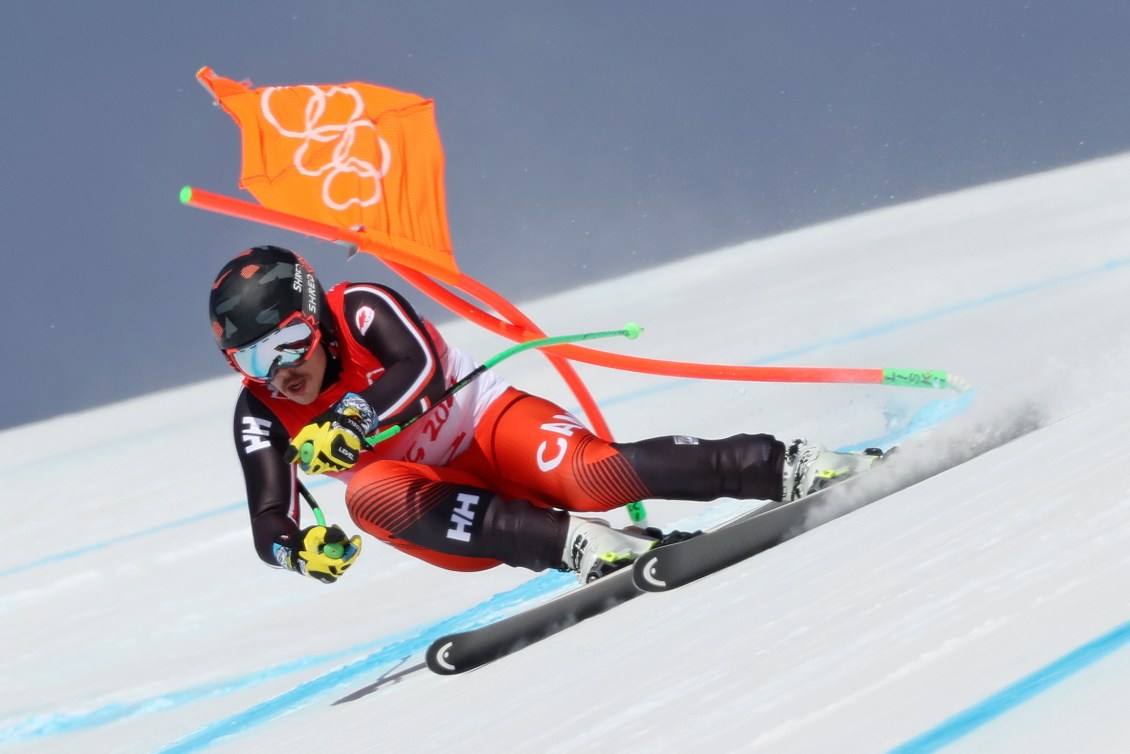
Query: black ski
[[460, 652], [680, 563]]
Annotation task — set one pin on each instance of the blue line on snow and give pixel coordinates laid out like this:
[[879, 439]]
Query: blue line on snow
[[87, 549], [71, 554], [964, 723], [893, 326], [385, 658], [385, 652]]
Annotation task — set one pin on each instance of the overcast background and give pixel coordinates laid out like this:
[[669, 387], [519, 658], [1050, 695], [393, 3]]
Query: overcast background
[[583, 140]]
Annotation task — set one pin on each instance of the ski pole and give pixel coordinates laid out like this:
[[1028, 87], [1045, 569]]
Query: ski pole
[[630, 331], [330, 549], [318, 515]]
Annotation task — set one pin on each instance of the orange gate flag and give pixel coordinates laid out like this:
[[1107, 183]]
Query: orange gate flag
[[354, 155], [362, 164]]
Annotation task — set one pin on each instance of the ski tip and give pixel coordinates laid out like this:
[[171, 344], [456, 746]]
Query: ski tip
[[439, 656]]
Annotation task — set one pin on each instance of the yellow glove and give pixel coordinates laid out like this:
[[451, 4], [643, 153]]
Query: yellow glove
[[325, 553], [333, 441]]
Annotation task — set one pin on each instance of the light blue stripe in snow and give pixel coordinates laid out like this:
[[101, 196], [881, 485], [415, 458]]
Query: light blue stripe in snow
[[381, 655], [58, 557], [889, 327], [964, 723]]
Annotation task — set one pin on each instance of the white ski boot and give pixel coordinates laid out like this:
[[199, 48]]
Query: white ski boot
[[594, 549], [810, 467]]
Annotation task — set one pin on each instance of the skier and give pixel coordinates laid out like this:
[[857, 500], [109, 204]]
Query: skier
[[491, 475]]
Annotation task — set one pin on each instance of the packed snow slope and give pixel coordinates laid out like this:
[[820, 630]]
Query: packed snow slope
[[984, 610]]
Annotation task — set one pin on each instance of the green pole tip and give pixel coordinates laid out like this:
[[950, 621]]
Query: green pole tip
[[632, 330], [186, 195], [333, 550]]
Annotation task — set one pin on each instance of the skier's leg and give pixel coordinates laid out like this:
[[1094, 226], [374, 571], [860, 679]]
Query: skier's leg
[[691, 468], [743, 466], [530, 448], [452, 519], [536, 450], [495, 503]]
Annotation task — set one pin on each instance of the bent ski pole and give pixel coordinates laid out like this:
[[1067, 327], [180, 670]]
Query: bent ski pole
[[318, 515], [329, 549], [630, 331]]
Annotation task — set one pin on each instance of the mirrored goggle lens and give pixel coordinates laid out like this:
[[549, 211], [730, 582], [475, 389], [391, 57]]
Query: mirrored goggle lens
[[286, 346]]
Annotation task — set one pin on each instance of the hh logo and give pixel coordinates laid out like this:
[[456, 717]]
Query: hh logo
[[463, 517], [254, 434], [565, 426]]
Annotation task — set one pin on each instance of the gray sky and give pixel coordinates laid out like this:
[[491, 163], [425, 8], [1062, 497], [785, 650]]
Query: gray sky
[[583, 139]]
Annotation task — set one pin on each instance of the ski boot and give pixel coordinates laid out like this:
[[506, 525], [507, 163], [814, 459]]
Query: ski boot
[[594, 549], [810, 468]]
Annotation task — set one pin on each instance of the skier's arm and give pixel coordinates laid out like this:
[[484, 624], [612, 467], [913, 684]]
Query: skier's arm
[[272, 483], [272, 498], [382, 321]]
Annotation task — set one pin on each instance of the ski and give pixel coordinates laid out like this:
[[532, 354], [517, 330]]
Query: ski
[[679, 563], [467, 650]]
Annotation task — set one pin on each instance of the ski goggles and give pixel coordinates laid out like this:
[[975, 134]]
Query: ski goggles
[[288, 345]]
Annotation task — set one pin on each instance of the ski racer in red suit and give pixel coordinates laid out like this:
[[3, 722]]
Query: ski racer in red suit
[[492, 475]]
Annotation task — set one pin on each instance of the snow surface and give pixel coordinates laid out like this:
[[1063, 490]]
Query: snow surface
[[984, 610]]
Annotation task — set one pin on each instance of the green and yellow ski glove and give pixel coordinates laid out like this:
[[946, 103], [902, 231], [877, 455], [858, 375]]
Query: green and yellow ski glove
[[325, 553], [334, 440]]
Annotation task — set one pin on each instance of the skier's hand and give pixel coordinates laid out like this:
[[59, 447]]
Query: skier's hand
[[334, 440], [325, 553]]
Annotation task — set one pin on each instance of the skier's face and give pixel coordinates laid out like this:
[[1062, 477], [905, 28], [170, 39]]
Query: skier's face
[[303, 382]]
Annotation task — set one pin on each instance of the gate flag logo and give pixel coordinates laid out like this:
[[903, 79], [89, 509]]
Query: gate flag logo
[[323, 125], [353, 155]]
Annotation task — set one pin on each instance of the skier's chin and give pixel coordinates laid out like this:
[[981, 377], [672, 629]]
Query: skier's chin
[[297, 386], [296, 391]]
